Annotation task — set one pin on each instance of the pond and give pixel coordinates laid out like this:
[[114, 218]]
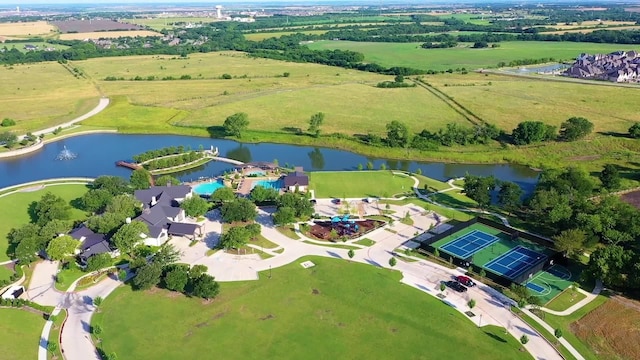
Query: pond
[[96, 155]]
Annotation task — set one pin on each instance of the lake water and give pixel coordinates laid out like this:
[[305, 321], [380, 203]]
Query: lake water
[[97, 154]]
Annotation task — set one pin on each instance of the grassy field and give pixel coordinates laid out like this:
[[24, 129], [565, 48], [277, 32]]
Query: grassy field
[[454, 198], [612, 330], [411, 55], [5, 273], [20, 334], [565, 300], [26, 29], [43, 94], [297, 314], [491, 97], [68, 276], [266, 35], [14, 209], [107, 34], [354, 184], [160, 23]]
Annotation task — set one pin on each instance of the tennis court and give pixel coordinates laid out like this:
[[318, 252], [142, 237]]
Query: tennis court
[[515, 262], [469, 244]]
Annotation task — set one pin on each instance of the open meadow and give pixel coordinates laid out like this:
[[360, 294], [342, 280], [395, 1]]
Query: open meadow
[[26, 29], [334, 309], [160, 23], [20, 331], [43, 94], [274, 102], [507, 100], [14, 209], [412, 55], [349, 184]]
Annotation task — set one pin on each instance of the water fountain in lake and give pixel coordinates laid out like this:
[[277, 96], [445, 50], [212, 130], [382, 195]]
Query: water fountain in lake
[[66, 154]]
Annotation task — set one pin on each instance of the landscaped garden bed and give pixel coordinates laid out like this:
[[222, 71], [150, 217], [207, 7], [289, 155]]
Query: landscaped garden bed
[[332, 231]]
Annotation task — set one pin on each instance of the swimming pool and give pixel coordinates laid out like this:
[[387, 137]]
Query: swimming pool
[[208, 188], [269, 184], [256, 173]]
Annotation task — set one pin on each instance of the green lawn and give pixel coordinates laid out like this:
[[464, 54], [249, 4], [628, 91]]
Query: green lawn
[[565, 300], [14, 209], [454, 198], [355, 184], [432, 184], [448, 213], [365, 242], [288, 231], [337, 308], [5, 273], [412, 55], [20, 334], [68, 276]]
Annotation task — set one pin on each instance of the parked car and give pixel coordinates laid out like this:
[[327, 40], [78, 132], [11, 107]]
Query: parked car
[[466, 281], [455, 286], [336, 201]]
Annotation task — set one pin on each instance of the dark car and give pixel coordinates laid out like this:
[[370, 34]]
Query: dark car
[[465, 281], [336, 201], [455, 286]]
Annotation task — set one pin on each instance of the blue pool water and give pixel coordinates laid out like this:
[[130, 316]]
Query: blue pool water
[[208, 188], [257, 173], [269, 184]]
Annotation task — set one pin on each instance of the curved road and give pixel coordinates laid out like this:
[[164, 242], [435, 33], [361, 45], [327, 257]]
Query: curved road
[[102, 104]]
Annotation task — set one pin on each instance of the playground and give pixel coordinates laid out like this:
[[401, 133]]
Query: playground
[[343, 227]]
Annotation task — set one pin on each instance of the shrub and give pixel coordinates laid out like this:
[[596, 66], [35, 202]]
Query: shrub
[[6, 122]]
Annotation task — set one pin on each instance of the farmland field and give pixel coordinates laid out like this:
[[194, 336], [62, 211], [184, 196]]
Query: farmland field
[[160, 23], [411, 55], [289, 315], [26, 29], [107, 34], [79, 26], [42, 95]]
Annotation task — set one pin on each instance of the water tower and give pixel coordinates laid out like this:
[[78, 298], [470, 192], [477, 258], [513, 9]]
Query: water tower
[[219, 11]]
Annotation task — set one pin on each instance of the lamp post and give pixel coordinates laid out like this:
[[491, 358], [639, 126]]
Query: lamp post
[[269, 271]]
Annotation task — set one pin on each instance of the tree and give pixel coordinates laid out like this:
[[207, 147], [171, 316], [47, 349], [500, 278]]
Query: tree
[[195, 206], [167, 255], [8, 138], [95, 200], [236, 123], [236, 237], [570, 242], [206, 287], [51, 207], [557, 333], [197, 270], [52, 348], [611, 264], [479, 189], [369, 165], [482, 273], [124, 205], [238, 210], [634, 130], [351, 253], [140, 179], [260, 194], [223, 194], [107, 223], [529, 132], [165, 180], [399, 78], [177, 279], [315, 122], [575, 128], [300, 203], [26, 250], [113, 184], [147, 276], [509, 195], [471, 304], [284, 215], [54, 228], [610, 177], [97, 301], [524, 339], [62, 247], [393, 261], [443, 287], [99, 261], [480, 45], [96, 329], [126, 238], [397, 134]]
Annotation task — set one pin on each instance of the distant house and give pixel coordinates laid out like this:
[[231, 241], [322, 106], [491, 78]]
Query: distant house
[[296, 180], [30, 47], [91, 243], [617, 66], [13, 292], [162, 213]]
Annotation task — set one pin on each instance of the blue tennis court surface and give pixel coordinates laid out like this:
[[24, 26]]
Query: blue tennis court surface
[[535, 287], [515, 262], [469, 244]]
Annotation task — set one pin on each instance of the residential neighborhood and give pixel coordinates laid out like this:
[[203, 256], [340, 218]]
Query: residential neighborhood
[[619, 66]]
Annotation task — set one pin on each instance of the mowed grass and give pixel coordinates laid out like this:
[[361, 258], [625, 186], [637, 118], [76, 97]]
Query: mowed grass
[[107, 34], [507, 100], [267, 35], [26, 29], [353, 184], [5, 272], [20, 334], [14, 209], [412, 55], [359, 312], [42, 95], [565, 300]]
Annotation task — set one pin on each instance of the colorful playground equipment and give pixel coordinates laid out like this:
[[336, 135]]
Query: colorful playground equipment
[[344, 222]]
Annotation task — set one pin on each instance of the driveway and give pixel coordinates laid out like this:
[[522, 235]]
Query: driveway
[[42, 285]]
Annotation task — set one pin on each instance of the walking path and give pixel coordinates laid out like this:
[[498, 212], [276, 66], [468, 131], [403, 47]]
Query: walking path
[[589, 297]]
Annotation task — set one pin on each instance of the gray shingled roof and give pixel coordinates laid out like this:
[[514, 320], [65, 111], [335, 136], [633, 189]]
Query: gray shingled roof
[[181, 229]]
